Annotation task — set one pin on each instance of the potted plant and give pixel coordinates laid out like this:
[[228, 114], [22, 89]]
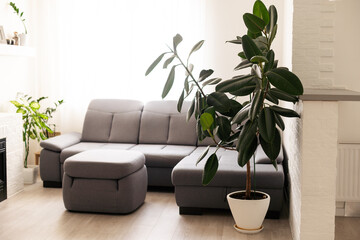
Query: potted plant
[[20, 14], [35, 126], [239, 126]]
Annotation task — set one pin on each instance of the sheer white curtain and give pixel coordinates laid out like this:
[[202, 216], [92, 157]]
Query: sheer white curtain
[[101, 49]]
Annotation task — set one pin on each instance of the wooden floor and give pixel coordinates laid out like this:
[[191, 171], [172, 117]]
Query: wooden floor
[[38, 213]]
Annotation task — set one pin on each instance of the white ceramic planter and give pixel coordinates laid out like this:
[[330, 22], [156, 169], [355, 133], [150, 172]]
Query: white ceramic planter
[[248, 214], [22, 37], [30, 174]]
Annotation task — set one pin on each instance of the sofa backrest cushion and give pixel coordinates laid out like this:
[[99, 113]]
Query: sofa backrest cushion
[[161, 123], [114, 120]]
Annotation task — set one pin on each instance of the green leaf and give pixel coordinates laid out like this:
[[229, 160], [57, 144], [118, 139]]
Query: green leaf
[[272, 149], [258, 59], [196, 47], [256, 104], [190, 68], [169, 82], [273, 33], [242, 55], [236, 41], [203, 155], [250, 48], [224, 129], [273, 18], [253, 23], [206, 120], [16, 104], [235, 84], [176, 40], [285, 80], [244, 64], [168, 61], [42, 136], [247, 142], [283, 95], [272, 98], [242, 115], [22, 111], [253, 35], [260, 11], [34, 105], [267, 124], [284, 111], [153, 65], [180, 101], [205, 74], [210, 169], [270, 57], [235, 107], [220, 101], [191, 110], [211, 81], [186, 85], [279, 121]]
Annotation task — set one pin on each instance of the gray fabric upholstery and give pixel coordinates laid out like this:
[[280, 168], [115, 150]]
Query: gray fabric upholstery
[[159, 176], [166, 156], [104, 164], [182, 132], [125, 127], [229, 173], [58, 143], [260, 156], [105, 195], [118, 146], [154, 128], [97, 126], [50, 168], [77, 148]]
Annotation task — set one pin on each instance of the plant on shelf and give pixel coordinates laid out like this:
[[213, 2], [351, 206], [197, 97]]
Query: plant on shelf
[[35, 121], [19, 14], [239, 126]]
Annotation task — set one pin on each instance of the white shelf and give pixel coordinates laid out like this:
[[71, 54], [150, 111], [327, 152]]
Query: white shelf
[[11, 50]]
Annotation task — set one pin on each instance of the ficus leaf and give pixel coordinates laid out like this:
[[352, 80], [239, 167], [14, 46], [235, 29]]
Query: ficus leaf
[[253, 23], [272, 149], [196, 47], [201, 157], [279, 121], [256, 104], [247, 142], [169, 82], [206, 120], [267, 124], [272, 18], [180, 101], [210, 169], [250, 48], [224, 127], [205, 74], [284, 111], [260, 11], [153, 65], [191, 110], [244, 64], [219, 100], [234, 84], [283, 95], [176, 40], [168, 61], [285, 80], [258, 59]]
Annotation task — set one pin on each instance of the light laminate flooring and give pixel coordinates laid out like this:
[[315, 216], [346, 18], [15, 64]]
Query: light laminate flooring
[[38, 213]]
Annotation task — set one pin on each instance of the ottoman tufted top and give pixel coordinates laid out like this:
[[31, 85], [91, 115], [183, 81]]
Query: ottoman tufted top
[[104, 164]]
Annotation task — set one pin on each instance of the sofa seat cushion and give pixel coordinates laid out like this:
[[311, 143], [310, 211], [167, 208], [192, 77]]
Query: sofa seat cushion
[[229, 173], [84, 146], [163, 156], [104, 164]]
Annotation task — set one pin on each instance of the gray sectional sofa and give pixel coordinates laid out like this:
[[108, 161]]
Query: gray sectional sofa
[[171, 149]]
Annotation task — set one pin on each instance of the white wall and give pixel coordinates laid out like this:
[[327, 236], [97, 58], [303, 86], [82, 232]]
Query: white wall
[[347, 33], [18, 73]]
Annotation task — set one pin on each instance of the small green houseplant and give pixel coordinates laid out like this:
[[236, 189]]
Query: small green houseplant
[[35, 121], [239, 126], [19, 14]]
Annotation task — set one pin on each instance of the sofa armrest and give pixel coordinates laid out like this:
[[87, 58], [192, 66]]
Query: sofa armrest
[[58, 143]]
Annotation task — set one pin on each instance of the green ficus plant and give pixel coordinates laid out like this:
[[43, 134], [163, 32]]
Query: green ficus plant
[[239, 126], [19, 14], [35, 121]]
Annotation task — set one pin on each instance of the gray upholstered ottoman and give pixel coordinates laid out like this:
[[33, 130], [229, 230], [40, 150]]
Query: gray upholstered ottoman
[[106, 181]]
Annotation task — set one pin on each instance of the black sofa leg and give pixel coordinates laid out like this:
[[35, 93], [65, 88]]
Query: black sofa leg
[[52, 184], [190, 211]]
